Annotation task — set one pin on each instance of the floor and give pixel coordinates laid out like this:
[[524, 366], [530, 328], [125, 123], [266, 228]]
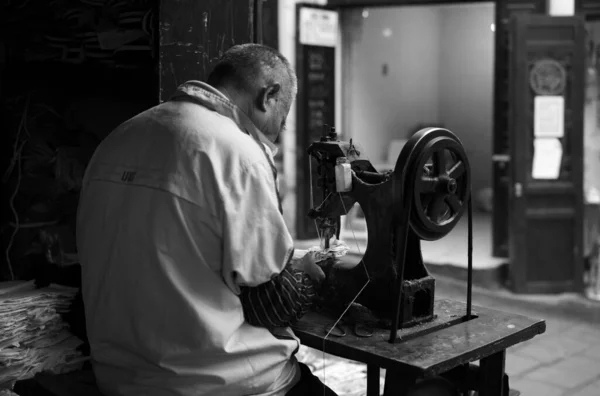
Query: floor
[[565, 361]]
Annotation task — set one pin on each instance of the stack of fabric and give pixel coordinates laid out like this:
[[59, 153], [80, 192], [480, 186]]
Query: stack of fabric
[[33, 335]]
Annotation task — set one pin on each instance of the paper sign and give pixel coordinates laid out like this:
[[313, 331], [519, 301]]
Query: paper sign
[[549, 116], [547, 158], [318, 27]]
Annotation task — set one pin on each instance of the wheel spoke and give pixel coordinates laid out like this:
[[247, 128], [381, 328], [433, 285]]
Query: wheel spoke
[[437, 209], [427, 184], [427, 169], [439, 162], [454, 203], [457, 170]]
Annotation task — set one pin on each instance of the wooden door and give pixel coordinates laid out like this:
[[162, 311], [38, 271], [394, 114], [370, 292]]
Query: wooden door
[[193, 35], [505, 9], [547, 74]]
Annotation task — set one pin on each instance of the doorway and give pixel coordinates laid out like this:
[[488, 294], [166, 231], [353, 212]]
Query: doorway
[[408, 67]]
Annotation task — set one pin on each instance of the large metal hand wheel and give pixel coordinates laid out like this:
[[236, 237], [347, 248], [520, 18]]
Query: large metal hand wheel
[[433, 172]]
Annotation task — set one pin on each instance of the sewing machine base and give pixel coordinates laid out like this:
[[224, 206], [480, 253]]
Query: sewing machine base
[[376, 302], [417, 298]]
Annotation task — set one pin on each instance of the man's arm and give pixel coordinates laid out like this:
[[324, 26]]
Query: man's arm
[[281, 301], [258, 251]]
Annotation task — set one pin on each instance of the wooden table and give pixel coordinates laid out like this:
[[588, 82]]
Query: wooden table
[[445, 345]]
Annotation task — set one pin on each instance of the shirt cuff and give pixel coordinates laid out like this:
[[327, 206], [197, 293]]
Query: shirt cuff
[[281, 301]]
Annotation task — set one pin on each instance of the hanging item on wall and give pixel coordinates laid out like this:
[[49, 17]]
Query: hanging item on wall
[[549, 116], [547, 158], [318, 27], [548, 77]]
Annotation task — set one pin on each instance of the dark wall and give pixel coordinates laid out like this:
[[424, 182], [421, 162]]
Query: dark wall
[[194, 34], [270, 23], [67, 79], [74, 79]]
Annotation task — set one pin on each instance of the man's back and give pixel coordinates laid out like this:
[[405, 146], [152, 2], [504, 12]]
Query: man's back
[[165, 199]]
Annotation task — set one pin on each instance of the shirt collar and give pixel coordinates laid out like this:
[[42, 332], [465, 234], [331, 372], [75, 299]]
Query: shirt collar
[[212, 98]]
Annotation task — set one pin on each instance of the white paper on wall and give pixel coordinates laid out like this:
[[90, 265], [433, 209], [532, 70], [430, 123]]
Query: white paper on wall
[[318, 27], [549, 116], [547, 158]]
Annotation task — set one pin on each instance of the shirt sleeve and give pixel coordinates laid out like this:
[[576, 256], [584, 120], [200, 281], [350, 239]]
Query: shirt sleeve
[[257, 244], [281, 301]]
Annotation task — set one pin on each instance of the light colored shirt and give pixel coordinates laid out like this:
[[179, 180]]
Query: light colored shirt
[[178, 209]]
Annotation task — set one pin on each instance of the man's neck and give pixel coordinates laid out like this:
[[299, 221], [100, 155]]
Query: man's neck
[[239, 100]]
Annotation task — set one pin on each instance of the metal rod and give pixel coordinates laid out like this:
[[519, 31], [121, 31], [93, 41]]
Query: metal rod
[[310, 178], [469, 256], [372, 177], [401, 258]]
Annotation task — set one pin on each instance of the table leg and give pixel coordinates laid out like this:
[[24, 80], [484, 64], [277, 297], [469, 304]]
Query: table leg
[[397, 383], [491, 375], [372, 380]]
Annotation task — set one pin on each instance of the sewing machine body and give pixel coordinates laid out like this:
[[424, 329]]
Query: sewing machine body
[[378, 195]]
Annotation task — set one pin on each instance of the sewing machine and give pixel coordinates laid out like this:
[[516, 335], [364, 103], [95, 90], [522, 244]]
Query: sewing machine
[[388, 298], [424, 197]]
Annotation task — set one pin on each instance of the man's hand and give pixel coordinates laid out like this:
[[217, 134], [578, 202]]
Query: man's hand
[[308, 265]]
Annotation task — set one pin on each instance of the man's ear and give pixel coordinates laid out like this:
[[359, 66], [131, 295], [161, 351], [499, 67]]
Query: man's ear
[[268, 95]]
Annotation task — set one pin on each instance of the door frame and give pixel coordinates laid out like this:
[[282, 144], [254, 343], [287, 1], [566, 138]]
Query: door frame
[[304, 227], [394, 3]]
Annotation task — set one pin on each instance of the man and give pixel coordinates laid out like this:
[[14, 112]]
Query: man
[[188, 280]]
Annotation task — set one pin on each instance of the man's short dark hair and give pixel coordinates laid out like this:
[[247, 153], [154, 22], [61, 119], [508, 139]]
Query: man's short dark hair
[[243, 66]]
